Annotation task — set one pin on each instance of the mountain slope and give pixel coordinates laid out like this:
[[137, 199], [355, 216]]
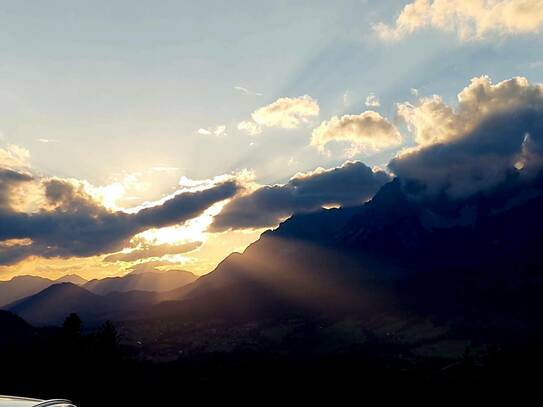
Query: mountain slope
[[14, 329], [71, 278], [384, 257], [148, 281], [20, 287], [52, 305], [23, 286]]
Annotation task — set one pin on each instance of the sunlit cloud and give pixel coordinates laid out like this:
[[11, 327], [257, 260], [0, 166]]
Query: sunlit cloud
[[368, 132], [249, 127], [165, 169], [71, 221], [286, 113], [218, 131], [156, 251], [349, 184], [492, 136], [431, 120], [190, 231], [372, 100], [470, 20], [15, 242], [14, 157]]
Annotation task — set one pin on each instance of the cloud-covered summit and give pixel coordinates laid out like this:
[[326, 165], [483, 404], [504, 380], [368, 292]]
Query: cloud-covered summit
[[495, 134], [347, 185]]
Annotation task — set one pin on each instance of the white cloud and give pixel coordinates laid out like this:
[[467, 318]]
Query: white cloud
[[287, 113], [47, 140], [215, 131], [469, 19], [372, 100], [165, 169], [246, 91], [493, 136], [348, 98], [14, 157], [250, 127], [433, 121], [368, 131], [204, 132]]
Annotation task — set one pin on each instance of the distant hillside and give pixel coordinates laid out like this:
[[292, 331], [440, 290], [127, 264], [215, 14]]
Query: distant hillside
[[148, 281], [71, 278], [53, 304], [20, 287], [23, 286]]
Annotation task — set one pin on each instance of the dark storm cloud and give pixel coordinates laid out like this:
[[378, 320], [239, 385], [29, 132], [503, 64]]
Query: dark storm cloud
[[8, 180], [493, 136], [76, 225], [505, 146], [350, 184]]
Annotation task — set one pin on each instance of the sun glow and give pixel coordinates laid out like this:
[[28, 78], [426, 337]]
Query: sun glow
[[191, 231]]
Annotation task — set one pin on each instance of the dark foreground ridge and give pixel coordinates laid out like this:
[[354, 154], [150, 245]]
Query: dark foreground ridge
[[96, 369]]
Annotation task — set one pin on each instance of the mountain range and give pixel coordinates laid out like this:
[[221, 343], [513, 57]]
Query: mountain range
[[146, 281], [24, 286], [42, 301], [472, 264]]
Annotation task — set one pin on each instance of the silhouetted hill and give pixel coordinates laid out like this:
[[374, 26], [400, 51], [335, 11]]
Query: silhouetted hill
[[23, 286], [148, 281], [52, 305], [14, 329], [71, 278], [20, 287]]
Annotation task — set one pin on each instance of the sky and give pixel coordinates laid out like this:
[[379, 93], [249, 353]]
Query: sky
[[160, 135]]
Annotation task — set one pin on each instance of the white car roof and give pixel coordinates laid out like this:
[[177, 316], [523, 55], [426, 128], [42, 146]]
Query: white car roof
[[7, 401], [10, 401]]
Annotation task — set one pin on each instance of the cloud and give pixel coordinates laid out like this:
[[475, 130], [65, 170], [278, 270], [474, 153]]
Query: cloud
[[165, 169], [150, 267], [250, 127], [470, 20], [73, 223], [246, 91], [368, 131], [348, 98], [9, 180], [46, 140], [215, 131], [14, 157], [347, 185], [153, 251], [286, 113], [494, 136], [372, 100], [433, 121]]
